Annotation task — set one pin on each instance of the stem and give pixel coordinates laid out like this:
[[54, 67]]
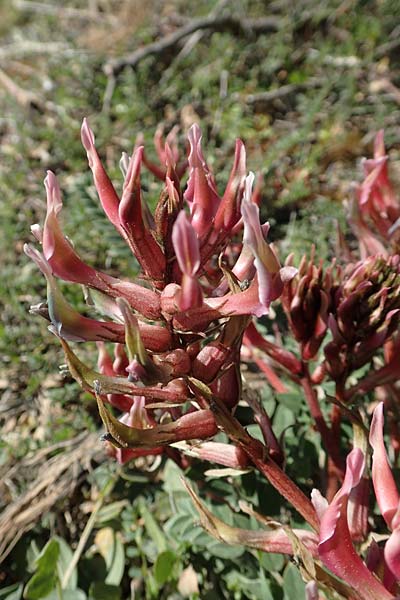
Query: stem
[[336, 419], [88, 529], [258, 454], [285, 486], [330, 442]]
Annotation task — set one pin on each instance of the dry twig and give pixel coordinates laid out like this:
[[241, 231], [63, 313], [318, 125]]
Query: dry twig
[[230, 23], [57, 477]]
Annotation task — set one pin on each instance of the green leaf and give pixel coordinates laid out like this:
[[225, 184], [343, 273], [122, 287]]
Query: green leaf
[[283, 419], [67, 594], [163, 566], [45, 579], [12, 592], [256, 589], [110, 512], [293, 584], [112, 550], [104, 591], [172, 478], [225, 551], [271, 562], [153, 529], [64, 560]]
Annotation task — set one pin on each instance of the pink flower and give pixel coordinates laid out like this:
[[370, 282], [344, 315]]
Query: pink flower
[[336, 548], [187, 252], [271, 277], [201, 193], [387, 495]]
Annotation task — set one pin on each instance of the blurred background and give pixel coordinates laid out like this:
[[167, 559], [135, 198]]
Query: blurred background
[[306, 84]]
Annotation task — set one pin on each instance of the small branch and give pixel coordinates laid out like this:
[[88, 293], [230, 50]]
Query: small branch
[[27, 99], [229, 23], [262, 418], [387, 48], [64, 12], [28, 48], [266, 98]]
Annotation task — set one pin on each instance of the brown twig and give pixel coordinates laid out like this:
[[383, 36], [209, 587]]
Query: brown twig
[[25, 98], [267, 98], [64, 12], [229, 23]]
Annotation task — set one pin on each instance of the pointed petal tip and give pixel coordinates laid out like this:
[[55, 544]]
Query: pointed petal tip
[[37, 232], [38, 258], [376, 425], [87, 135], [53, 192], [319, 502]]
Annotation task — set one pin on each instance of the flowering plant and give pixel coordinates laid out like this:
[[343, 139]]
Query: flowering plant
[[183, 329]]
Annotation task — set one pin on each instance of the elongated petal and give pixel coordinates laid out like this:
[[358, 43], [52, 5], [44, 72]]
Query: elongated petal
[[136, 232], [392, 554], [66, 263], [191, 296], [270, 279], [86, 377], [198, 424], [228, 213], [105, 189], [218, 452], [68, 323], [241, 303], [200, 194], [336, 549], [186, 245], [385, 487]]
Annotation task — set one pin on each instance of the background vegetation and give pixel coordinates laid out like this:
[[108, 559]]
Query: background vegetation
[[306, 99]]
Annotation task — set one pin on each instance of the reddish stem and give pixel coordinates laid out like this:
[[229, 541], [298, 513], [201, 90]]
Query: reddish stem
[[329, 440]]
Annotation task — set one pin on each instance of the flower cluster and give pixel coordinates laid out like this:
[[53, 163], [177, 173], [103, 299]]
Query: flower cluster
[[171, 343], [205, 269]]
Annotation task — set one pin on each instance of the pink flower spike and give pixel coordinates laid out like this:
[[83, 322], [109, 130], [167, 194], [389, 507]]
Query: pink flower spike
[[270, 276], [105, 189], [228, 213], [186, 246], [130, 206], [336, 549], [200, 194], [135, 229], [385, 487]]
